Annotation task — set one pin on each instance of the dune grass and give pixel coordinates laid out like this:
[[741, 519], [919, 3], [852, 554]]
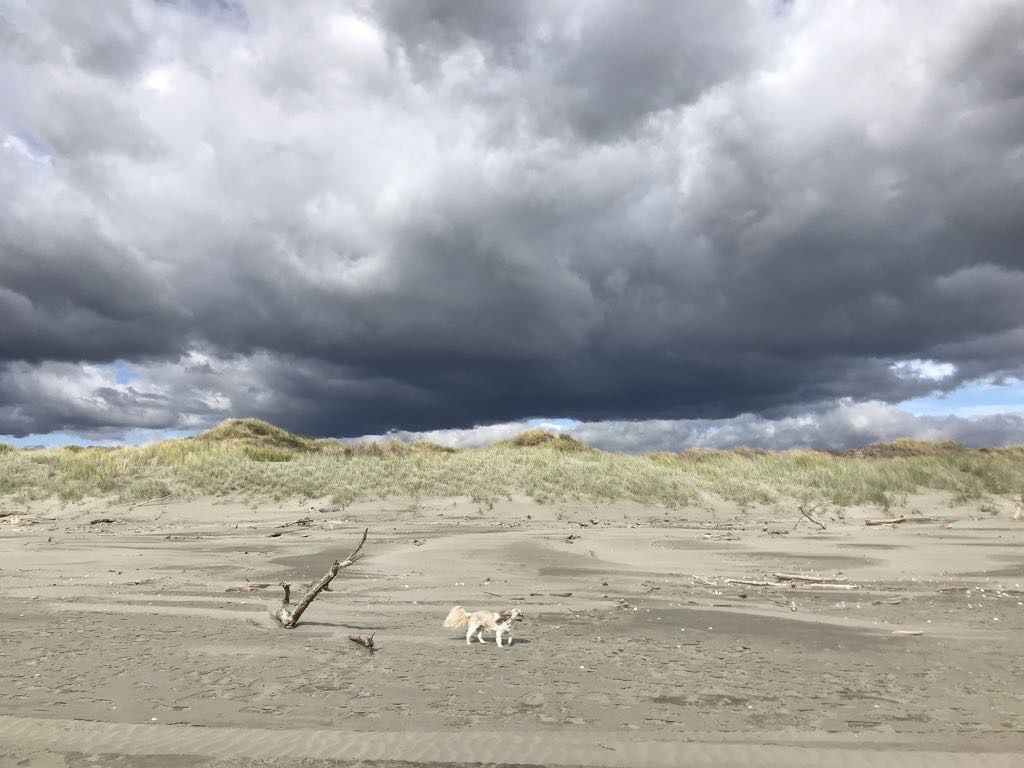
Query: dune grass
[[249, 458]]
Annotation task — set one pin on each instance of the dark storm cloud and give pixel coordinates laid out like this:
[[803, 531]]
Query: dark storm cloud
[[352, 217], [599, 68]]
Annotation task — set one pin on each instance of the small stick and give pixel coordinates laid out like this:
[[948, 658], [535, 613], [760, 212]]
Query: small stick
[[154, 501], [99, 520], [908, 632], [891, 521], [831, 585], [366, 642], [749, 583], [305, 520], [249, 587]]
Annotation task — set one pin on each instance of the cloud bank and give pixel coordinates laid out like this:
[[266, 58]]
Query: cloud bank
[[350, 217], [840, 427]]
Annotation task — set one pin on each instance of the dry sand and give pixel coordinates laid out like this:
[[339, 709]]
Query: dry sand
[[127, 644]]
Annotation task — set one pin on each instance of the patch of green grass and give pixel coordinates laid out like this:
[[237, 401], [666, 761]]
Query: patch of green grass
[[262, 453]]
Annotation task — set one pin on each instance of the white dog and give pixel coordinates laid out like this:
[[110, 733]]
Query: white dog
[[480, 621]]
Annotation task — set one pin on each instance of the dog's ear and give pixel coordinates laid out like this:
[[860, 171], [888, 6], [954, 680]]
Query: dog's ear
[[505, 617]]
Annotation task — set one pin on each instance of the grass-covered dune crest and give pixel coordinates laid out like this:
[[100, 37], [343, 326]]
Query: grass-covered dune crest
[[249, 457]]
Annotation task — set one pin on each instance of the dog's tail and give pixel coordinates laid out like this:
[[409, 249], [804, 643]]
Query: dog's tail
[[457, 617]]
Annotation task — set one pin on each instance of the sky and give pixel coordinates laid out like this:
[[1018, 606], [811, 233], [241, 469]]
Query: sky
[[649, 224]]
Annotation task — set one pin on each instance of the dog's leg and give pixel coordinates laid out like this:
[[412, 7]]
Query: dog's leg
[[480, 634], [469, 634], [497, 636]]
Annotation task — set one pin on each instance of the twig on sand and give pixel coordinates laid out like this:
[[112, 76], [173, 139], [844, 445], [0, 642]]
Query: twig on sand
[[152, 501], [289, 619], [807, 513], [908, 632], [749, 583], [100, 520], [888, 521], [807, 579], [304, 520], [831, 585], [366, 642], [248, 587]]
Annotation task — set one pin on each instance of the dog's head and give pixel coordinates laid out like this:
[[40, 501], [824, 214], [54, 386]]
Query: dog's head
[[512, 616]]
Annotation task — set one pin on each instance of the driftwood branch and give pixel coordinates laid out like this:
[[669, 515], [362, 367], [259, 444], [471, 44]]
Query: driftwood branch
[[887, 521], [305, 520], [807, 513], [289, 618], [749, 583]]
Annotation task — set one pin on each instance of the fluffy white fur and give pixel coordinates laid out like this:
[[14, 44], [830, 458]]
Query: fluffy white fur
[[478, 622]]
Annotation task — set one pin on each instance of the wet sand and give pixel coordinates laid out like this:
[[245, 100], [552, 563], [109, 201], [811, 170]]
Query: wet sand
[[130, 643]]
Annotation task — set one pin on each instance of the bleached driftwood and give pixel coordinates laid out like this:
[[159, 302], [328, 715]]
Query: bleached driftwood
[[888, 521], [289, 618], [807, 579]]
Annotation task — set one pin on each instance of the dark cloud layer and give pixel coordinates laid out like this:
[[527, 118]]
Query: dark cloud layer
[[352, 217]]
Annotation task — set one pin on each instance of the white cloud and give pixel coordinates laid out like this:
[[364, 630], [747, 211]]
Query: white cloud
[[842, 426], [931, 370]]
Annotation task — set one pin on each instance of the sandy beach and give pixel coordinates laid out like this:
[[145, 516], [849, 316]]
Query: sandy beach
[[148, 641]]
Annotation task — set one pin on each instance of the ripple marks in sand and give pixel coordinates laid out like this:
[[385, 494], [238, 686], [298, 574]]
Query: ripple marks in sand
[[444, 747]]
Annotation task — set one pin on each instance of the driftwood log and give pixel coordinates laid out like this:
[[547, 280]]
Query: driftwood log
[[807, 579], [886, 521], [289, 618]]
